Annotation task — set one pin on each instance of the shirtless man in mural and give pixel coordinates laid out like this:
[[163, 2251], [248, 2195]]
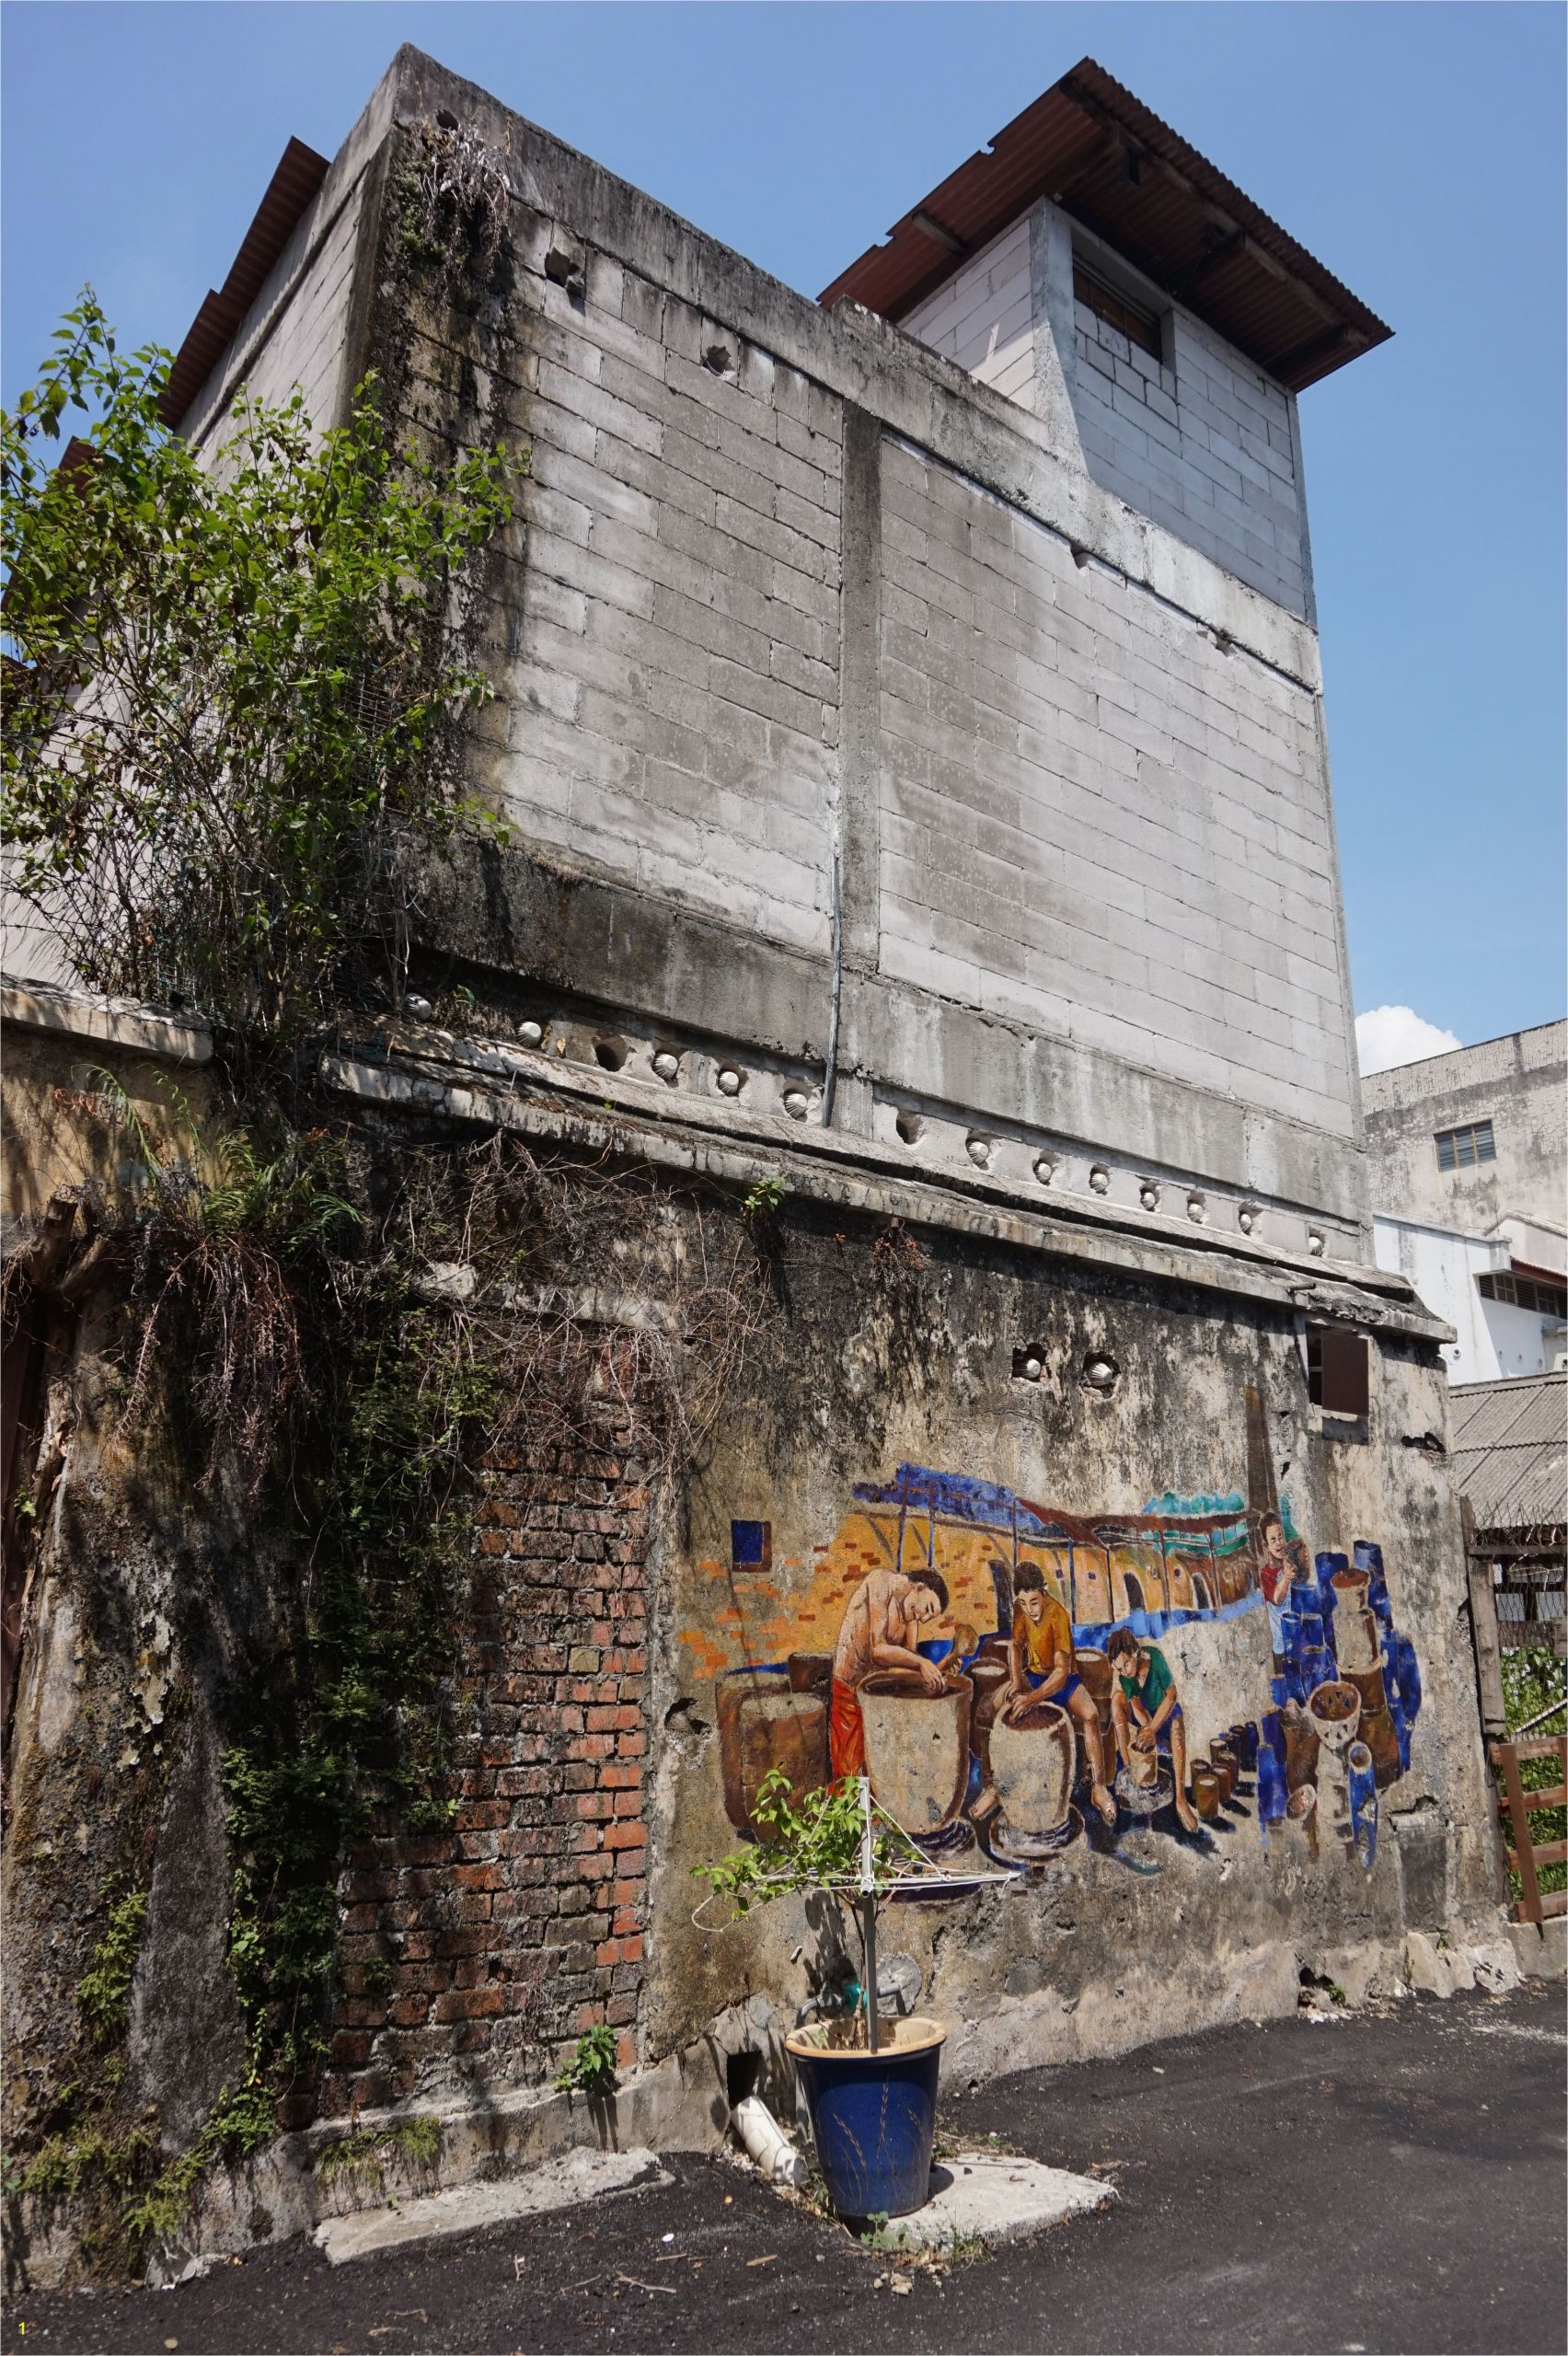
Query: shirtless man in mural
[[1145, 1704], [1282, 1560], [881, 1627], [1044, 1667]]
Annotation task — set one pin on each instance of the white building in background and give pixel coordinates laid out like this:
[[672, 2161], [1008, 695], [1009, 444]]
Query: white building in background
[[1468, 1159]]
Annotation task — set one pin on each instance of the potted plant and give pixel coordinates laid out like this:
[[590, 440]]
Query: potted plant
[[869, 2080]]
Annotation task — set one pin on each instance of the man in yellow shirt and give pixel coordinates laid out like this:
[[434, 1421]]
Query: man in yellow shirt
[[1043, 1668]]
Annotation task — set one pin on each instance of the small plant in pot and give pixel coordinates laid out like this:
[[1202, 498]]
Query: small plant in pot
[[869, 2080]]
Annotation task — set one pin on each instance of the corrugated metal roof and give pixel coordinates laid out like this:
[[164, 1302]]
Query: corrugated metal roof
[[292, 187], [1509, 1444], [1097, 152]]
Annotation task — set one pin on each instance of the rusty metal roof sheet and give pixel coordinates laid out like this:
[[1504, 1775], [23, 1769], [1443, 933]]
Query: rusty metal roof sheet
[[1095, 150], [1510, 1449], [289, 192]]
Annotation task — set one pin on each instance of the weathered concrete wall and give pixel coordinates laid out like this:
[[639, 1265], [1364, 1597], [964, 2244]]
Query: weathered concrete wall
[[57, 1132], [1194, 436], [1518, 1083], [694, 630], [1199, 439], [1121, 1933]]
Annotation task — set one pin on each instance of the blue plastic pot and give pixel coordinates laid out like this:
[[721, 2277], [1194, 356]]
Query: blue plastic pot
[[874, 2116]]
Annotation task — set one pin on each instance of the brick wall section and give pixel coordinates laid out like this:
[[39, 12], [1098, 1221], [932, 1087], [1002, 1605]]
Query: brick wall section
[[1095, 820], [477, 1956]]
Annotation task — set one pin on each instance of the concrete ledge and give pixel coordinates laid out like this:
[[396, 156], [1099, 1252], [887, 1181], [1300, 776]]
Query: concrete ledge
[[989, 2196], [607, 1112], [112, 1021], [581, 2175]]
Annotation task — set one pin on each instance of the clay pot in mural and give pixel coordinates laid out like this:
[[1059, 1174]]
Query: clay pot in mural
[[1335, 1709], [1208, 1789], [811, 1673], [1350, 1588], [1033, 1761], [1377, 1728], [1099, 1681], [917, 1748], [763, 1724], [1369, 1558], [988, 1675], [1355, 1639], [1362, 1785], [1300, 1747], [1226, 1766], [1243, 1741], [1301, 1816]]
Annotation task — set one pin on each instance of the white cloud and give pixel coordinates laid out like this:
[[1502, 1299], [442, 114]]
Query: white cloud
[[1397, 1034]]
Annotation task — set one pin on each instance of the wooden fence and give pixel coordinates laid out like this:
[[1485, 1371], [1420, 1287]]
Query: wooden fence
[[1526, 1857]]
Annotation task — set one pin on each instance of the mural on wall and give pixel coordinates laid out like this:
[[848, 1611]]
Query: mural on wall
[[1017, 1680]]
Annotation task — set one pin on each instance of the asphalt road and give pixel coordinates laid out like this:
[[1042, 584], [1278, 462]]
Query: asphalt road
[[1390, 2182]]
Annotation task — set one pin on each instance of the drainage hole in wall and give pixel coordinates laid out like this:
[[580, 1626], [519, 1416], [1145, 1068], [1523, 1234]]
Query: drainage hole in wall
[[742, 2072], [909, 1126], [611, 1053]]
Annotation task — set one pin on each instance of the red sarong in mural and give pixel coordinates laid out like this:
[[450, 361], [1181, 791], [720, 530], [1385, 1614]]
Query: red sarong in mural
[[846, 1731]]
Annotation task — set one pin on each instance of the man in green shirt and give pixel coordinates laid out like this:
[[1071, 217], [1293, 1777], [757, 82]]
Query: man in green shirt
[[1144, 1705]]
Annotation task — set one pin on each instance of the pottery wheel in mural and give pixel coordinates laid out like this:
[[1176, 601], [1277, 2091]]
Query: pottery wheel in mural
[[1033, 1848], [1145, 1800], [956, 1836]]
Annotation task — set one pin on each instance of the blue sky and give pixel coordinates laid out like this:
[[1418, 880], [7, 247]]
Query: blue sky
[[1417, 150]]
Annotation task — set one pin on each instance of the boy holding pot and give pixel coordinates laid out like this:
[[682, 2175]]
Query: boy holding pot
[[1043, 1666]]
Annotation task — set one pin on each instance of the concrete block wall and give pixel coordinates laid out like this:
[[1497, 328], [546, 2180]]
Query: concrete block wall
[[982, 317], [296, 333], [1196, 438], [1062, 768], [1094, 819], [1199, 439], [669, 685]]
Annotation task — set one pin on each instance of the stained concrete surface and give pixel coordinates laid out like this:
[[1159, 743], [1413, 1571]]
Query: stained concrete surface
[[1390, 2182], [469, 2208]]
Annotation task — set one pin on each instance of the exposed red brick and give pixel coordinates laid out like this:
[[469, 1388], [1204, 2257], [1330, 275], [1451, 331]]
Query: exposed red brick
[[522, 1928]]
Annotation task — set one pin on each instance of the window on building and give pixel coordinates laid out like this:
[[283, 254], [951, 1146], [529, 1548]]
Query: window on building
[[1463, 1149], [1339, 1377], [1539, 1293], [1139, 326]]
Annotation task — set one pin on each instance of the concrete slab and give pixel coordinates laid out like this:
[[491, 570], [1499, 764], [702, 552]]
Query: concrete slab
[[576, 2176], [992, 2198]]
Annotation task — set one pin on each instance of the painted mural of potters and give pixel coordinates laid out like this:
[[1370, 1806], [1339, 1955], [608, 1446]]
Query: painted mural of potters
[[881, 1626], [1283, 1560], [1042, 1668], [1145, 1704]]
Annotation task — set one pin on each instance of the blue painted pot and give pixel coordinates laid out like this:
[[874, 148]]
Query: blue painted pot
[[1273, 1797], [1409, 1677], [1325, 1567], [1369, 1558], [874, 2116]]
